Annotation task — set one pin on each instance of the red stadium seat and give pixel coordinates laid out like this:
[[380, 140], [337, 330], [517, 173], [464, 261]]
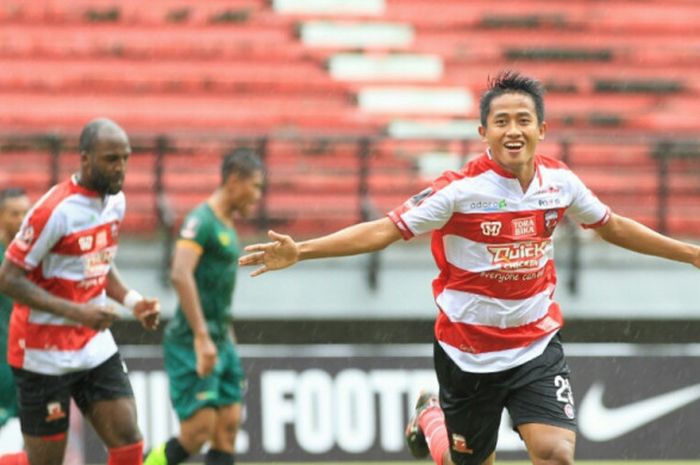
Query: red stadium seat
[[613, 70]]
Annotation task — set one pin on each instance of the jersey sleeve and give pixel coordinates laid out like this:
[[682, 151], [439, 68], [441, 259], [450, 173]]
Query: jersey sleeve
[[195, 230], [585, 207], [426, 211], [41, 229]]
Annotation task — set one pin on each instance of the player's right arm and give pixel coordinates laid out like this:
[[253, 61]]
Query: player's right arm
[[42, 228], [185, 260], [283, 251], [15, 284]]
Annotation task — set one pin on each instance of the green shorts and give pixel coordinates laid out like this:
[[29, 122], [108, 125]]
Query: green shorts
[[8, 394], [189, 392]]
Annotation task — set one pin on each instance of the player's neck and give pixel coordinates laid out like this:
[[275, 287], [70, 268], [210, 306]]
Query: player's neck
[[523, 173], [221, 208], [525, 178], [80, 181]]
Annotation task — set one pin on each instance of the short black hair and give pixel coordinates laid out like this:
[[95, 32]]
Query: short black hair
[[508, 82], [10, 193], [242, 161]]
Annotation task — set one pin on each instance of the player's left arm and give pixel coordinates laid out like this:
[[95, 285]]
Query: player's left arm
[[628, 233], [146, 310]]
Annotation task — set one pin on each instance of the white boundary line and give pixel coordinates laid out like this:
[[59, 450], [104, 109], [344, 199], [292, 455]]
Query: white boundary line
[[424, 350]]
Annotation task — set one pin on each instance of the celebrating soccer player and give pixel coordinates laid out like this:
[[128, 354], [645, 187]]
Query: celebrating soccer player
[[496, 335]]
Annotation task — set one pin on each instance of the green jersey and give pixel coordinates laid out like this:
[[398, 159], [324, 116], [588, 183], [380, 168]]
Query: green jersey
[[215, 274], [8, 394], [5, 311]]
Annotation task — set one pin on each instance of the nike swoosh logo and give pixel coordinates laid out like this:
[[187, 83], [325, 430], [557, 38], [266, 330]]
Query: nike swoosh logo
[[599, 423]]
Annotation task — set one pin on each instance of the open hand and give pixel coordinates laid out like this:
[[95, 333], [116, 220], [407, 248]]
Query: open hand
[[147, 311], [280, 253]]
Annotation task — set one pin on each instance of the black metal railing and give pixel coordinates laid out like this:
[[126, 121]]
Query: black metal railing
[[671, 160]]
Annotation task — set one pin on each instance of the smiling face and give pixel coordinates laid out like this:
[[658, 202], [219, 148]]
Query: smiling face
[[512, 132]]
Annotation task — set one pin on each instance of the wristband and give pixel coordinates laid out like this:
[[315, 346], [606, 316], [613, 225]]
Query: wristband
[[131, 299]]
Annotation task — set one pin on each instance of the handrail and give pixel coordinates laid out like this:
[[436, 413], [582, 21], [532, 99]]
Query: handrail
[[660, 148]]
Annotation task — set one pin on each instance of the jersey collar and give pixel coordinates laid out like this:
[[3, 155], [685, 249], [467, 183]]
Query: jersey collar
[[507, 174], [75, 187]]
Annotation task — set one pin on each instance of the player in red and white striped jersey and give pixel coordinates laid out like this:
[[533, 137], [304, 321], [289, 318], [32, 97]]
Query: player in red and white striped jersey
[[496, 332], [59, 270]]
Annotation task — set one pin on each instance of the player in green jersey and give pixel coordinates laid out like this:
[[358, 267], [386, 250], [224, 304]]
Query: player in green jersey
[[205, 373], [14, 204]]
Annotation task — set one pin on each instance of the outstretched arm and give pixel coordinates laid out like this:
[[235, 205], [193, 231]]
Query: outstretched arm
[[353, 240], [627, 233]]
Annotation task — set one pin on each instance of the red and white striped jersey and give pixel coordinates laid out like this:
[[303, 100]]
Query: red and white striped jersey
[[492, 243], [66, 244]]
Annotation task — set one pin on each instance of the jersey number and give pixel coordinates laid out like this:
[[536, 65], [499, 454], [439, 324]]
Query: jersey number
[[564, 393]]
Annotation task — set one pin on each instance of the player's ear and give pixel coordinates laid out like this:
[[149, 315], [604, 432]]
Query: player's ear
[[85, 161], [542, 130], [482, 133]]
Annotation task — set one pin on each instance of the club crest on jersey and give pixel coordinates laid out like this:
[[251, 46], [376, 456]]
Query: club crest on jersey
[[551, 219], [491, 228], [459, 444], [524, 227], [224, 239], [85, 243], [419, 197]]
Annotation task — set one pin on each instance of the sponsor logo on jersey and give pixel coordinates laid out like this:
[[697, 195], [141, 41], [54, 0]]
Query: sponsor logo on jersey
[[206, 395], [85, 243], [55, 411], [92, 282], [25, 236], [486, 205], [518, 255], [459, 444], [97, 263], [550, 202], [101, 239], [524, 227], [491, 228], [189, 230], [548, 190]]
